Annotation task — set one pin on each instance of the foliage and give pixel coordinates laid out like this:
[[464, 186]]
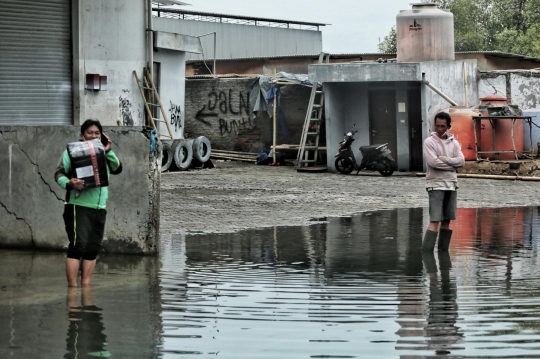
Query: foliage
[[389, 44], [491, 25]]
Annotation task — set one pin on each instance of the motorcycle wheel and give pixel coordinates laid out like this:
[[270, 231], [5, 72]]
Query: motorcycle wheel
[[344, 165], [388, 169]]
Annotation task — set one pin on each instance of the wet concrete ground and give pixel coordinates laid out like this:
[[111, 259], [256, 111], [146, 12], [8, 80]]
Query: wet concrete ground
[[237, 196]]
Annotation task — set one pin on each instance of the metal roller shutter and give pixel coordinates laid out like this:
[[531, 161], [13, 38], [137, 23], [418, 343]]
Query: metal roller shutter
[[35, 62]]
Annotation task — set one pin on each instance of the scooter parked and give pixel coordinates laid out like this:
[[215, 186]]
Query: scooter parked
[[374, 157]]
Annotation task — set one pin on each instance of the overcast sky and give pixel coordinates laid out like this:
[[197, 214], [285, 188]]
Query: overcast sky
[[356, 25]]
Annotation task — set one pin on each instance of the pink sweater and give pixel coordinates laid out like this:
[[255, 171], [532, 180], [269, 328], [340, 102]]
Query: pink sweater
[[442, 158]]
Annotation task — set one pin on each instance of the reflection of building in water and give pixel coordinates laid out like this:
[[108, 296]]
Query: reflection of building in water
[[85, 337], [375, 242]]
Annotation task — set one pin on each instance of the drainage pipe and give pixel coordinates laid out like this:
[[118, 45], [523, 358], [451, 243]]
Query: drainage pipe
[[439, 92], [149, 39], [215, 34]]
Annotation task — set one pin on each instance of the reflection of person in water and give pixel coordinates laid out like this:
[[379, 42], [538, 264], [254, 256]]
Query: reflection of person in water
[[441, 331], [85, 337]]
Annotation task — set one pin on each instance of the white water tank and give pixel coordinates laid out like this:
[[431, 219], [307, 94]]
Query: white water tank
[[425, 33]]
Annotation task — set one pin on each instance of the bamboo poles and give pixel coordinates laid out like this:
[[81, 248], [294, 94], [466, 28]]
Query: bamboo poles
[[495, 177]]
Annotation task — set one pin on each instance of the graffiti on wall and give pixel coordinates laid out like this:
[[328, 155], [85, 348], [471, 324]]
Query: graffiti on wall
[[230, 113], [176, 116], [126, 113]]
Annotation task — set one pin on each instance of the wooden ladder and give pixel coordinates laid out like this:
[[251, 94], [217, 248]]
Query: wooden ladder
[[312, 123], [148, 84]]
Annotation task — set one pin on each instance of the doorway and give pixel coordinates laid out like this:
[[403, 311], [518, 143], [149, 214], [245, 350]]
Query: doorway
[[382, 118], [415, 130]]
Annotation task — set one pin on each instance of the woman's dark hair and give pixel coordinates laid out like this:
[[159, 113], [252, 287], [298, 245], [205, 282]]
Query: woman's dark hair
[[91, 122], [443, 116]]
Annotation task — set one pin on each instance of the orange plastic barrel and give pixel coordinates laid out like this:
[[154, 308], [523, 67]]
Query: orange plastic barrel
[[503, 132], [486, 144], [463, 129], [495, 100]]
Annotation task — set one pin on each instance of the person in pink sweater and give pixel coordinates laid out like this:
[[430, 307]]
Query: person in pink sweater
[[443, 156]]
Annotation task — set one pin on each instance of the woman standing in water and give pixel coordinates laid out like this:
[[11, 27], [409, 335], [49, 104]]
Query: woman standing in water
[[84, 210]]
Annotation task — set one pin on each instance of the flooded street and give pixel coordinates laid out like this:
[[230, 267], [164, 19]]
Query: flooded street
[[349, 287]]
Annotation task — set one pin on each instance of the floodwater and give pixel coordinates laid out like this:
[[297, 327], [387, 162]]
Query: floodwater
[[355, 287]]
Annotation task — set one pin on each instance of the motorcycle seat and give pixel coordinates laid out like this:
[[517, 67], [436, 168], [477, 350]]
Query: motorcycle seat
[[366, 149]]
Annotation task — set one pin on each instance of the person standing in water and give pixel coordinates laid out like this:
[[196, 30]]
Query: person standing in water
[[84, 209], [443, 156]]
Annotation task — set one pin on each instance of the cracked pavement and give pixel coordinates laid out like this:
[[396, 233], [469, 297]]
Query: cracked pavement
[[236, 196]]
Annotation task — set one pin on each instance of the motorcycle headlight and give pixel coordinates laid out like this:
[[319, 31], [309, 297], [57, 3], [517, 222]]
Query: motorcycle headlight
[[349, 134]]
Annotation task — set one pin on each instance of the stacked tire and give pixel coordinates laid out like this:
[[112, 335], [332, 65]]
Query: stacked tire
[[202, 149], [185, 153], [167, 157]]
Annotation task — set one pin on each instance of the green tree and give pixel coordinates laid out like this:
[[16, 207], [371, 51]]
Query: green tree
[[389, 44]]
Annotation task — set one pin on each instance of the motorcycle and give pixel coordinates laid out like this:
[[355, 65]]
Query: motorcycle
[[374, 157]]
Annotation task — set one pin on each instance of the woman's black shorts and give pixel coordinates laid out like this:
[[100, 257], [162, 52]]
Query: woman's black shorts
[[85, 228]]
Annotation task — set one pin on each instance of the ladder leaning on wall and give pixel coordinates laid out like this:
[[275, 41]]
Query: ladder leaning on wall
[[148, 84], [312, 124]]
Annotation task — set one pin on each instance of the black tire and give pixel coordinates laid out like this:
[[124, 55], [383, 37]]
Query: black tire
[[201, 149], [167, 157], [344, 165], [183, 154], [389, 169]]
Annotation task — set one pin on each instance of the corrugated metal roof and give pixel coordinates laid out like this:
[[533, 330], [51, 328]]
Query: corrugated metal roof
[[224, 76], [169, 2], [239, 17], [291, 56], [502, 54], [345, 55]]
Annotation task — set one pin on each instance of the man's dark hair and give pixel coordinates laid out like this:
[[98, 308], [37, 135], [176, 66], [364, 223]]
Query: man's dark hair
[[443, 116], [91, 122]]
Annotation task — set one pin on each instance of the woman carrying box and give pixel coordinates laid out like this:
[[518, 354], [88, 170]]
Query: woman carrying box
[[84, 210]]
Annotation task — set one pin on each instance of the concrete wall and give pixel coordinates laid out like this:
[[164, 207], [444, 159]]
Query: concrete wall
[[172, 89], [525, 89], [521, 87], [234, 40], [109, 39], [31, 203], [532, 133], [219, 110], [346, 90], [452, 79], [346, 105]]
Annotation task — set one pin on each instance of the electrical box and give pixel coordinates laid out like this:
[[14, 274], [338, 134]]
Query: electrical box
[[96, 82]]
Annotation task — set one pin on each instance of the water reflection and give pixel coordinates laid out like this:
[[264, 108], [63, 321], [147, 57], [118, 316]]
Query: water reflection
[[40, 318], [441, 331], [85, 337], [351, 287], [356, 287]]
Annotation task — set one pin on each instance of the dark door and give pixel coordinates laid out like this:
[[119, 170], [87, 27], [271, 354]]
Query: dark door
[[382, 118], [415, 130]]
